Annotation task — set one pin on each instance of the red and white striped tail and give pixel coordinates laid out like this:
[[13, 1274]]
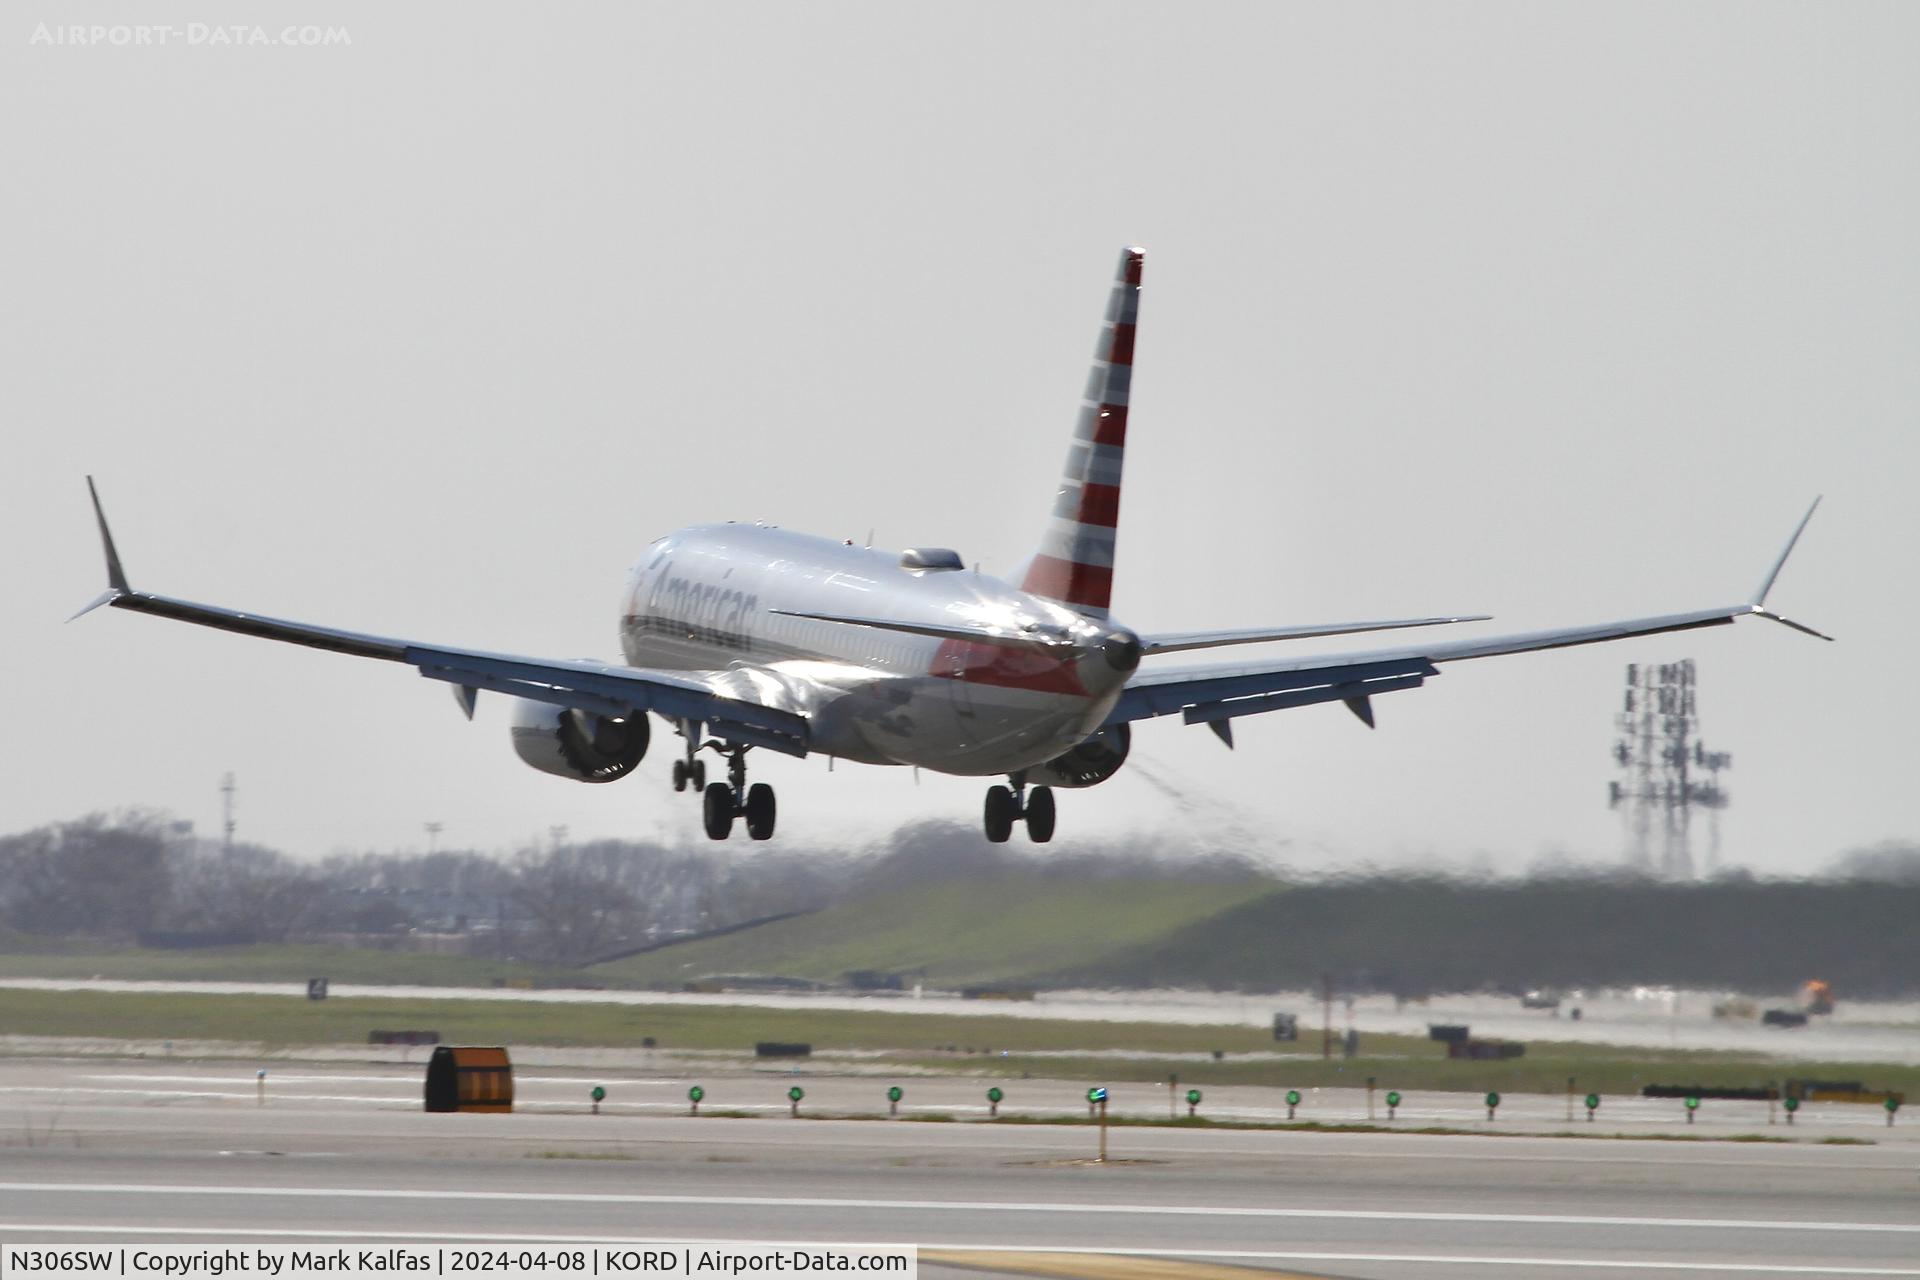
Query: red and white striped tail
[[1074, 564]]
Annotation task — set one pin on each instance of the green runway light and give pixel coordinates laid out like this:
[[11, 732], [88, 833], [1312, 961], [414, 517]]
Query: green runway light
[[1193, 1097], [1792, 1104], [696, 1093], [893, 1094], [1593, 1102], [1293, 1097], [1493, 1100], [796, 1093], [1393, 1099], [599, 1094], [1891, 1104], [994, 1095], [1096, 1094], [1693, 1104]]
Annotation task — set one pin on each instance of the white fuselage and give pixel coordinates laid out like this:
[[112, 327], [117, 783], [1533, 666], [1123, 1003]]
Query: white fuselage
[[704, 599]]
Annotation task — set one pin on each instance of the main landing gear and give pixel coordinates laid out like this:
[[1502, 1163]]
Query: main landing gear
[[1010, 804], [722, 802]]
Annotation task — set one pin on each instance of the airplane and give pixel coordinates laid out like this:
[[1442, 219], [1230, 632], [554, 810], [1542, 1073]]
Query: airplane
[[745, 636]]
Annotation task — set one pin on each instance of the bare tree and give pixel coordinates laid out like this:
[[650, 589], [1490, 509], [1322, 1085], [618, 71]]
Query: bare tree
[[575, 902], [246, 893], [98, 875]]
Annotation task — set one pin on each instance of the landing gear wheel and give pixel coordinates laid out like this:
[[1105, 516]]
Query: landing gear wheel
[[718, 806], [1001, 810], [760, 811], [1040, 815], [679, 775], [697, 775]]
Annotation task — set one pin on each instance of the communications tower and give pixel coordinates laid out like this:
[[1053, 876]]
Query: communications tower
[[1664, 771]]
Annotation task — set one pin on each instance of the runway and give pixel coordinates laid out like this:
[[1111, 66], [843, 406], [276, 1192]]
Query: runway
[[183, 1161]]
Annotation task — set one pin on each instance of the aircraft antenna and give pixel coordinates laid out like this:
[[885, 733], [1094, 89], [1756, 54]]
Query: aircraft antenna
[[1664, 772]]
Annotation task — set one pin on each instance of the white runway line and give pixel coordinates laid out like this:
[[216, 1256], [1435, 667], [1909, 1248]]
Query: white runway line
[[978, 1206], [1236, 1255]]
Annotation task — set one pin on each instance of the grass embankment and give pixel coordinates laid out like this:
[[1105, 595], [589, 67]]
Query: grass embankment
[[1007, 929], [1437, 935], [1010, 929]]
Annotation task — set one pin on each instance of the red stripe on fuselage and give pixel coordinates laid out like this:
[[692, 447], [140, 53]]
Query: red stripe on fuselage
[[1069, 582], [998, 667]]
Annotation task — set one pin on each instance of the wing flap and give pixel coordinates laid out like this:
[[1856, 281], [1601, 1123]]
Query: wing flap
[[1031, 641]]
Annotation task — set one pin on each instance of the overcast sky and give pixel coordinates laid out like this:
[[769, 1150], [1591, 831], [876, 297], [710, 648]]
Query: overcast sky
[[1554, 312]]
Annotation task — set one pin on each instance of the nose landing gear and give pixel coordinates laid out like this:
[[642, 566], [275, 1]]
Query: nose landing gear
[[1008, 805], [722, 802]]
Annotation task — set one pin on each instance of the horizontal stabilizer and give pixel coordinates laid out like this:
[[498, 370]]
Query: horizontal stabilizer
[[940, 631], [1175, 641]]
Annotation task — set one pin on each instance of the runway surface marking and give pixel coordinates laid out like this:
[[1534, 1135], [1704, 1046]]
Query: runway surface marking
[[979, 1206], [1240, 1255]]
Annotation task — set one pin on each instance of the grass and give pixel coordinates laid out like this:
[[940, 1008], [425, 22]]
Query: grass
[[291, 1020], [1010, 929]]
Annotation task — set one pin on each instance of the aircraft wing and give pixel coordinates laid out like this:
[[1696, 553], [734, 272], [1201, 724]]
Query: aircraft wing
[[607, 689], [1175, 641], [1218, 693]]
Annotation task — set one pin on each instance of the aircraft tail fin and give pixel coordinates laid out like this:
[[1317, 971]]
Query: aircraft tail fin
[[1074, 563]]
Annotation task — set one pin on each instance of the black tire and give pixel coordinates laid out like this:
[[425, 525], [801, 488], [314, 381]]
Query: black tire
[[999, 814], [679, 775], [760, 811], [1040, 814], [717, 805], [699, 775]]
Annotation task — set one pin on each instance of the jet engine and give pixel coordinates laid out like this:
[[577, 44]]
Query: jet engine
[[1095, 760], [578, 745]]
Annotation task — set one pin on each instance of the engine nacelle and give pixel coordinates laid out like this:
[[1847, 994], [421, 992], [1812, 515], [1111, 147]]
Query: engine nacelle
[[1095, 760], [578, 745]]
